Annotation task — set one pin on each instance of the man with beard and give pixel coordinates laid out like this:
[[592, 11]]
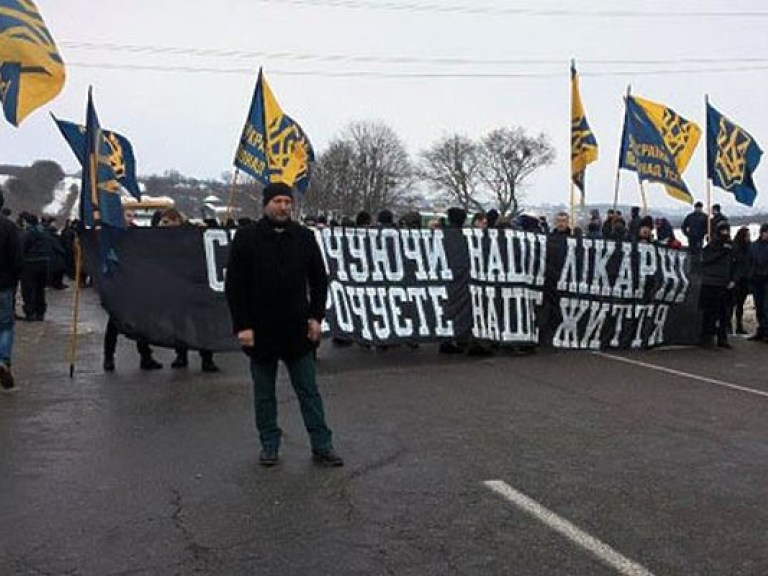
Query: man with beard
[[276, 288]]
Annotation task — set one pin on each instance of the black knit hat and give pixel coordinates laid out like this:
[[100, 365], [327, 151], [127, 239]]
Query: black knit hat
[[276, 189]]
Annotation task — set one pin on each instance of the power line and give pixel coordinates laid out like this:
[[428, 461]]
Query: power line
[[406, 75], [155, 50], [434, 7]]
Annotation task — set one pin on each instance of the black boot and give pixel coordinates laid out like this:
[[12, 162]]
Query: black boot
[[109, 363], [149, 363], [180, 361], [208, 365]]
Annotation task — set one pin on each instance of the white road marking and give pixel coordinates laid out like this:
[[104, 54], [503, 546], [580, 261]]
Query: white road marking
[[683, 374], [600, 549]]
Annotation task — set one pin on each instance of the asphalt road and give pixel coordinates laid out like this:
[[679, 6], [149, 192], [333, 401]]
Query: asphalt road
[[156, 473]]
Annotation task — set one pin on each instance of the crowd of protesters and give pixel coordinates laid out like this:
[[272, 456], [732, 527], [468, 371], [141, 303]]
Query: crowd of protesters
[[731, 270]]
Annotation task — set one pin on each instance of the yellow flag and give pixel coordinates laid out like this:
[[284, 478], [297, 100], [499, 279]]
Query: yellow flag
[[680, 135], [288, 149], [584, 148], [31, 69]]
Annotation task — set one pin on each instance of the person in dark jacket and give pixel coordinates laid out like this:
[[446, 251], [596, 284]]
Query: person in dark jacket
[[172, 218], [635, 221], [717, 217], [38, 252], [740, 278], [561, 230], [57, 264], [68, 235], [758, 282], [695, 227], [716, 287], [11, 265], [112, 331], [276, 288]]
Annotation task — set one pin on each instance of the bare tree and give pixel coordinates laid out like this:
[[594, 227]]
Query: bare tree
[[508, 158], [366, 168], [452, 166]]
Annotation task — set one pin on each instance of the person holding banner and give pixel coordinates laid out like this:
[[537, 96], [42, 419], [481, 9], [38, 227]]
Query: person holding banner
[[276, 288]]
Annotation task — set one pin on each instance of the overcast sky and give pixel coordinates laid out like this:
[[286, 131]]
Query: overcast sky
[[333, 62]]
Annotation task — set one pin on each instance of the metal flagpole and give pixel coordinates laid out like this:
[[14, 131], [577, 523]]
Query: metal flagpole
[[572, 211], [232, 187], [621, 147], [644, 197], [616, 188]]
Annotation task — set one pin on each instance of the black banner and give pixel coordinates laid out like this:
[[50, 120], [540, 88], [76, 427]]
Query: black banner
[[390, 286]]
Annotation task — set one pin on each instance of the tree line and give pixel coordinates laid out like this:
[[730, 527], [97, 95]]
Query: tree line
[[367, 167]]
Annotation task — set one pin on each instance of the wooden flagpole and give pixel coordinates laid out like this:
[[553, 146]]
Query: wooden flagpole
[[75, 307], [93, 165], [706, 170]]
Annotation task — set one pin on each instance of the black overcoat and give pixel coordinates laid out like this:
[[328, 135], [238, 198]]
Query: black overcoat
[[275, 283]]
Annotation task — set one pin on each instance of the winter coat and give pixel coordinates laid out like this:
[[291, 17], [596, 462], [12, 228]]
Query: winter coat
[[695, 226], [11, 254], [717, 264], [740, 263], [758, 260], [37, 243], [276, 282]]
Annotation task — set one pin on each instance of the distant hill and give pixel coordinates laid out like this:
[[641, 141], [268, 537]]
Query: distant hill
[[43, 188]]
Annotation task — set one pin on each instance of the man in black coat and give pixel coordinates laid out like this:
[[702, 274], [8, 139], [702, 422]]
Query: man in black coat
[[716, 287], [695, 227], [276, 288]]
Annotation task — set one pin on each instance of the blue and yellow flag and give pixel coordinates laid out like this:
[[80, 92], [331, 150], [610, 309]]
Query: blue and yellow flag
[[31, 69], [732, 157], [583, 142], [100, 202], [273, 147], [115, 149], [658, 143]]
